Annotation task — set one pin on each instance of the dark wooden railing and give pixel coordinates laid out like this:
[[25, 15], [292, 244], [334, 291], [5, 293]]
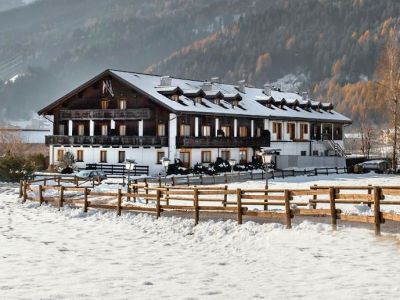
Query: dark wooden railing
[[110, 169], [101, 114], [106, 140], [221, 142]]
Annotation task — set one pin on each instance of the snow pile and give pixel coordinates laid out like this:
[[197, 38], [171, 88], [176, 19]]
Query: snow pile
[[46, 253]]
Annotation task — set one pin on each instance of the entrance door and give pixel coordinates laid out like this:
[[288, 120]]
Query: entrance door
[[185, 158]]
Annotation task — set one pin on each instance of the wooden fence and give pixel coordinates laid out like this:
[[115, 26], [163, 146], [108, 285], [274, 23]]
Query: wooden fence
[[215, 199]]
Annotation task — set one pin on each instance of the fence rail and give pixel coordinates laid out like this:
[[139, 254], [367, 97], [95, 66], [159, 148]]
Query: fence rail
[[217, 199]]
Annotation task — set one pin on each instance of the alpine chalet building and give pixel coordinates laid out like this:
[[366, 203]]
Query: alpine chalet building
[[121, 115]]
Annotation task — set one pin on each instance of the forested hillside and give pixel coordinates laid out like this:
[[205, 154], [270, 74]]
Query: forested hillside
[[330, 46], [334, 43]]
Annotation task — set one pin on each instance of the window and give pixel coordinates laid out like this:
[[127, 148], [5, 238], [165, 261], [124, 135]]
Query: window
[[160, 155], [205, 156], [185, 130], [315, 153], [198, 100], [81, 129], [243, 131], [226, 130], [243, 156], [104, 104], [185, 158], [175, 98], [122, 130], [258, 132], [122, 104], [206, 130], [79, 155], [225, 154], [161, 130], [303, 153], [291, 130], [303, 130], [121, 157], [104, 129], [60, 155], [277, 130], [103, 156], [61, 129]]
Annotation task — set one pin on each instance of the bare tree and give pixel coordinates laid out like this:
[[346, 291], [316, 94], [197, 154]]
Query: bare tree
[[388, 74], [10, 142]]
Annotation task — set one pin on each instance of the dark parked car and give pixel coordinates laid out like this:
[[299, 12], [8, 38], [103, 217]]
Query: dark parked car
[[91, 174]]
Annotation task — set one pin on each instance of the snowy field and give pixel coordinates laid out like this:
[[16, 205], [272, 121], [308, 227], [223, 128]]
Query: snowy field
[[51, 254]]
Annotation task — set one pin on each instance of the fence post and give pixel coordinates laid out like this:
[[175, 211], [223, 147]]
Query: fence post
[[327, 171], [61, 203], [283, 174], [377, 209], [85, 201], [158, 206], [196, 206], [167, 196], [337, 170], [316, 171], [159, 180], [226, 178], [314, 204], [173, 180], [266, 200], [239, 205], [273, 174], [332, 195], [214, 178], [45, 181], [40, 195], [262, 174], [135, 189], [294, 173], [287, 210], [146, 186], [225, 196], [251, 174], [119, 202], [201, 179], [188, 180], [25, 194], [369, 193]]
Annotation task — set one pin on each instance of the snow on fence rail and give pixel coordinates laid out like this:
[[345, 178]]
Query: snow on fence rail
[[218, 199]]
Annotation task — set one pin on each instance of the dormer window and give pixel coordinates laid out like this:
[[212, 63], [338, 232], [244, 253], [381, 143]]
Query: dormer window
[[235, 103], [217, 101], [198, 100], [175, 97]]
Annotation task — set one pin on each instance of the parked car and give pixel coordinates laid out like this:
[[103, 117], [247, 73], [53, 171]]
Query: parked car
[[91, 174], [379, 166]]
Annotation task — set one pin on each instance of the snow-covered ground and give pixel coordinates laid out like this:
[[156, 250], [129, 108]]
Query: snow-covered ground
[[51, 254]]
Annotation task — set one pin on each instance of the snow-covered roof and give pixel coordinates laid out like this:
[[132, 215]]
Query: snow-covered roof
[[249, 105], [252, 101]]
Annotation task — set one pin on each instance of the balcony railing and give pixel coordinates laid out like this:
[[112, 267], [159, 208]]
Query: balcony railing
[[221, 142], [104, 114], [107, 140]]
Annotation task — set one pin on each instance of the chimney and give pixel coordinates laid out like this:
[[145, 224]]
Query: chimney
[[304, 95], [206, 86], [165, 81], [214, 79], [267, 89], [242, 87], [277, 87]]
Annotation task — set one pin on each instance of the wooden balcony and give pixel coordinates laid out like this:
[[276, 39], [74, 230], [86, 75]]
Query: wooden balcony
[[221, 142], [107, 140], [106, 114]]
